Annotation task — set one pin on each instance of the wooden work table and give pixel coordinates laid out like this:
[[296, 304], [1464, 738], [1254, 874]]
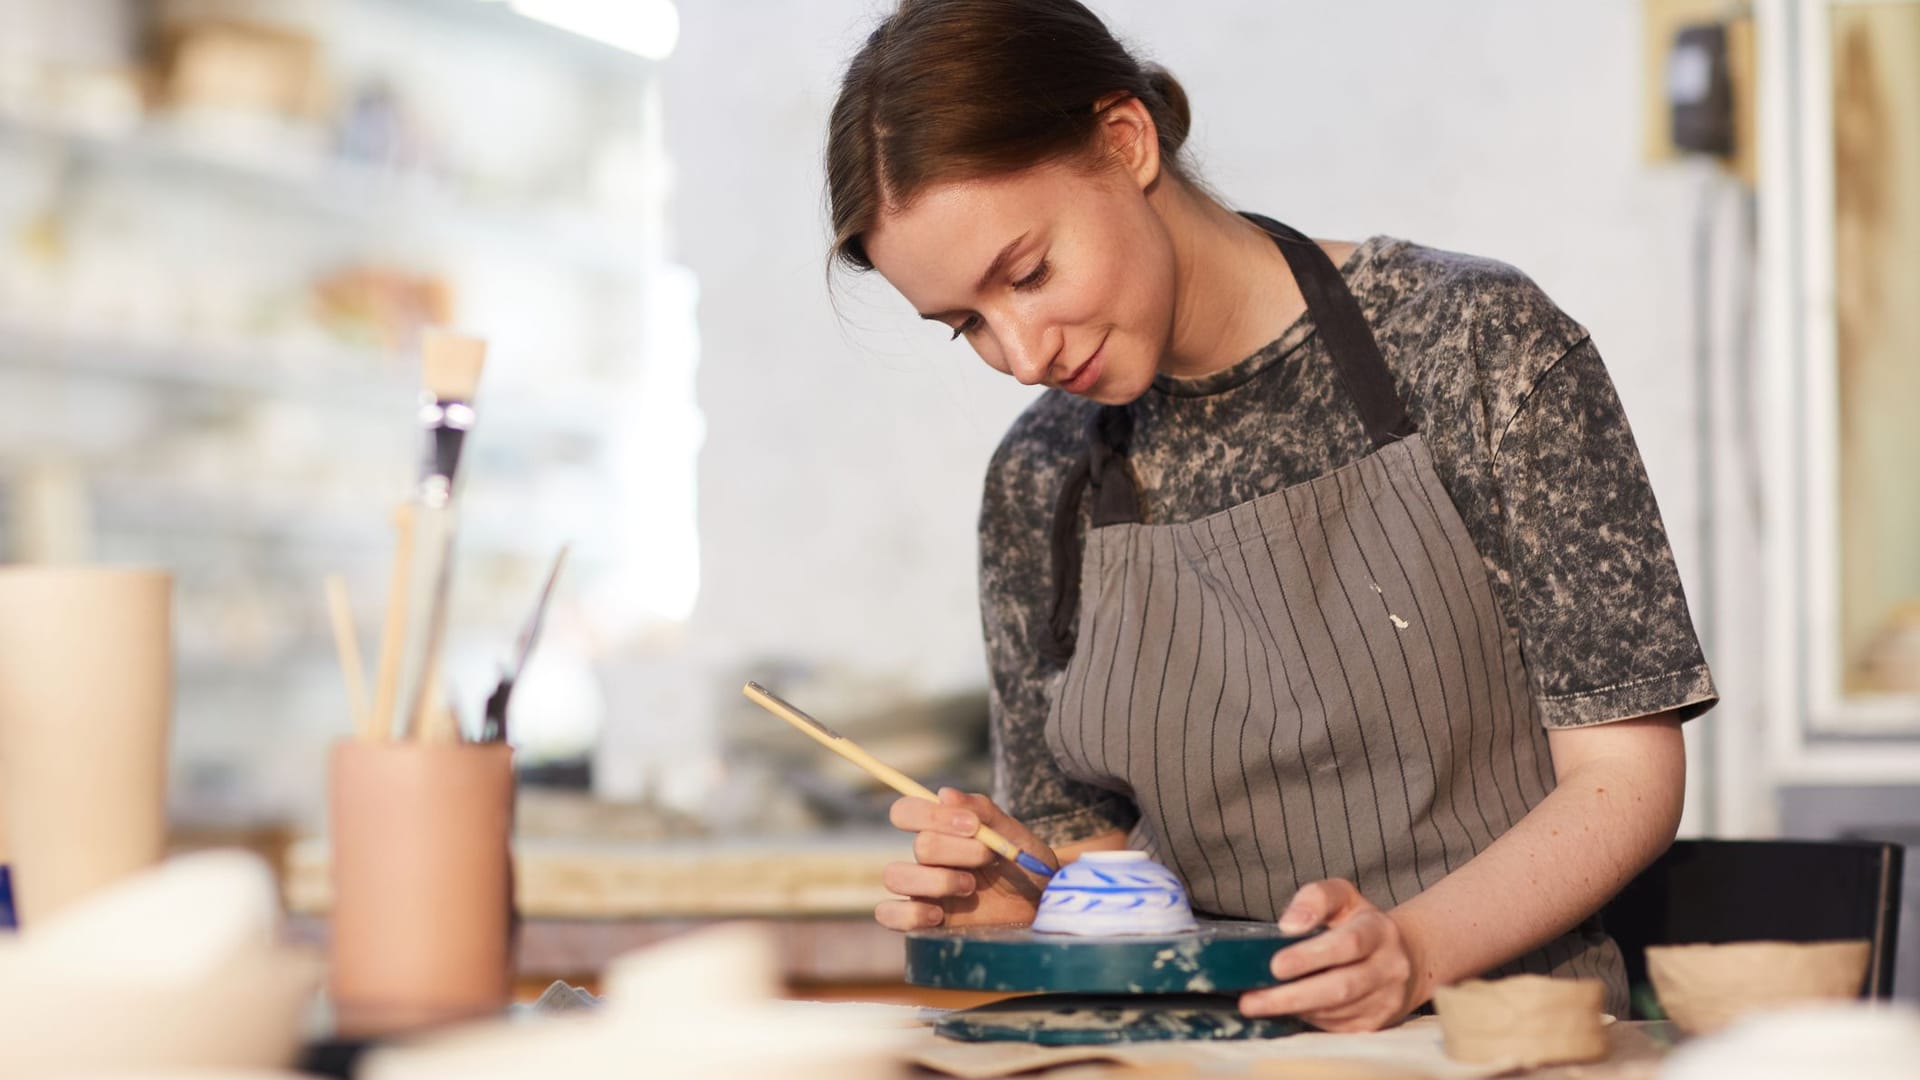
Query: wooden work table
[[586, 901]]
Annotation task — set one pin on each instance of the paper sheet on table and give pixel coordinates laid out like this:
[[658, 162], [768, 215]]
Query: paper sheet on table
[[1413, 1047]]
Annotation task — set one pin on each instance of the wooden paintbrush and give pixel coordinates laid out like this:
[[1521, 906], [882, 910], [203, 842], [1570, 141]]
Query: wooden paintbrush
[[883, 772], [348, 644], [451, 366], [494, 727], [393, 626]]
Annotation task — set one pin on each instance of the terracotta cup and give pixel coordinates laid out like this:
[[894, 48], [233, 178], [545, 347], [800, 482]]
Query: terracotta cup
[[421, 878], [86, 698]]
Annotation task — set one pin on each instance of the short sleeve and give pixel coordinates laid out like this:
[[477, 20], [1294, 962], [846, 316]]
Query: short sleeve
[[1603, 620], [1015, 577]]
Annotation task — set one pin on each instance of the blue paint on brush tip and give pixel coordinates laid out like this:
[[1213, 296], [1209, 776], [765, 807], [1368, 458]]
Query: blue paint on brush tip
[[1028, 862]]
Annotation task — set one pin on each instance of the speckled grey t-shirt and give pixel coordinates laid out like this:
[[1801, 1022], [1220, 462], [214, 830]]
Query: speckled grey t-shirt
[[1527, 437]]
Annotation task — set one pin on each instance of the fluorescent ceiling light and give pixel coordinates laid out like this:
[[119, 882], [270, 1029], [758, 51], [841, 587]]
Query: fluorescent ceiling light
[[646, 28]]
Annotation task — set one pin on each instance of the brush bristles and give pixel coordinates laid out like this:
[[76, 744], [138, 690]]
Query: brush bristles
[[451, 364]]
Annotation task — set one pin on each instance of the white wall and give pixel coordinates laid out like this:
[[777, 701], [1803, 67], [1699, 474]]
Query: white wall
[[841, 472]]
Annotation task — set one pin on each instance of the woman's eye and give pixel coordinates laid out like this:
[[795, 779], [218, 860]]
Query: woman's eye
[[1034, 279]]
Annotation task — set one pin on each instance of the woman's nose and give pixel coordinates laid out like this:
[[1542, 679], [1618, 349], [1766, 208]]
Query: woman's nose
[[1029, 353]]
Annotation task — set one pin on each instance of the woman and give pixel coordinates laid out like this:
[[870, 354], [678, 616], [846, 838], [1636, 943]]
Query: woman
[[1326, 572]]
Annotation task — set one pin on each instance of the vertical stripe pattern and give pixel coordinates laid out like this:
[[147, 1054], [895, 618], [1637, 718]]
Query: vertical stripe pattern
[[1317, 683]]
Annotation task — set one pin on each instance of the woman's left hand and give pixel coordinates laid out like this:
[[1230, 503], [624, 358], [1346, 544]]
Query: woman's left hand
[[1361, 974]]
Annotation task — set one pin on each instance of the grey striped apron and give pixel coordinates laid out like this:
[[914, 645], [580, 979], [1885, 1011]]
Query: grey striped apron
[[1315, 684]]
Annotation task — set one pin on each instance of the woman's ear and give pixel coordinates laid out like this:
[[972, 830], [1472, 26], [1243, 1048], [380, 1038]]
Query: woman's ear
[[1131, 138]]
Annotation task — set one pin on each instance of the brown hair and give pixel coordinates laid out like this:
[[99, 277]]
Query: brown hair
[[959, 89]]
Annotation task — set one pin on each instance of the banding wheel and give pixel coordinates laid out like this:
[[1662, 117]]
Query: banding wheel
[[1102, 989]]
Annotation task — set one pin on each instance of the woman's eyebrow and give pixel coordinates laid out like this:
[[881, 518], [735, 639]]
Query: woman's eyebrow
[[998, 264]]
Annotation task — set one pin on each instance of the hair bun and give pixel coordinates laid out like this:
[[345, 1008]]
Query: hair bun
[[1174, 116]]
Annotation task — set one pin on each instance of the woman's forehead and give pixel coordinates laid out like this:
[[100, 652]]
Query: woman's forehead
[[951, 219]]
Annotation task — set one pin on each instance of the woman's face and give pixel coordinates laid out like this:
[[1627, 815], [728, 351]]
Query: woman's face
[[1057, 275]]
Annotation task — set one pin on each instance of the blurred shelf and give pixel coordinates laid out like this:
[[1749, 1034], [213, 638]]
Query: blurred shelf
[[316, 185], [338, 376], [1878, 713], [586, 877], [144, 509], [349, 376], [498, 17]]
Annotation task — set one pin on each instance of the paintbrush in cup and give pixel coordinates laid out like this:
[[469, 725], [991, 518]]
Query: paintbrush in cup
[[393, 626], [883, 772], [451, 366], [347, 643], [494, 727]]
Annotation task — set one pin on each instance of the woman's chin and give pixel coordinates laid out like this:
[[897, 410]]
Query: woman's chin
[[1118, 388]]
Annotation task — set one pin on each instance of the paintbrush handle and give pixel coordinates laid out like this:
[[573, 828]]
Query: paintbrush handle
[[340, 610], [393, 628], [429, 582], [879, 770]]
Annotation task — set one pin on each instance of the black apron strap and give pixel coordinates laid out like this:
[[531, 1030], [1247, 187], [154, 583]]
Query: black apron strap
[[1356, 357], [1115, 502], [1336, 314]]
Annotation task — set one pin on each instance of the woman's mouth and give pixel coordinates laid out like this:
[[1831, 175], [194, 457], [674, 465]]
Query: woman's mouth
[[1089, 373]]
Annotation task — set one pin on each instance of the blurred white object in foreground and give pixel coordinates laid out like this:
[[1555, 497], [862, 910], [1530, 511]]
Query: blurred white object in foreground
[[701, 1005], [1858, 1041], [174, 968]]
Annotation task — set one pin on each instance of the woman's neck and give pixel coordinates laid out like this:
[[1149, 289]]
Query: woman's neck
[[1233, 292]]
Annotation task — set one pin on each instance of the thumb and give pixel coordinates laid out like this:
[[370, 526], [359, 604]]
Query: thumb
[[1318, 903]]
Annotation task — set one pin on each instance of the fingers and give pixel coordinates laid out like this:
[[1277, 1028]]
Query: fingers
[[983, 808], [943, 836], [955, 878], [1357, 997], [927, 882], [1354, 977], [1327, 991], [939, 849], [959, 816], [1350, 943], [989, 814], [918, 815], [908, 915], [1321, 903]]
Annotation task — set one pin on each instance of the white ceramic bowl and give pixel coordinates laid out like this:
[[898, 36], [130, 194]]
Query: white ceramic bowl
[[1111, 893]]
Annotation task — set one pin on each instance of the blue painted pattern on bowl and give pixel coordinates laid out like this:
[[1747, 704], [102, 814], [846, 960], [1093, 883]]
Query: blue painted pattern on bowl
[[1114, 892]]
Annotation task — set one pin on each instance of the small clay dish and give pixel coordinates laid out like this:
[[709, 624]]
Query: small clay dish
[[1523, 1021], [1703, 988]]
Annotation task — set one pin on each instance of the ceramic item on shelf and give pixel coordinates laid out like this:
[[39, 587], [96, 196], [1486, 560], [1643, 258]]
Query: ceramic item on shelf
[[1703, 988], [1114, 892], [1523, 1022]]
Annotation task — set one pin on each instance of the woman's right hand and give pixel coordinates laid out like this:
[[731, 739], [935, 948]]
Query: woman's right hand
[[955, 880]]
